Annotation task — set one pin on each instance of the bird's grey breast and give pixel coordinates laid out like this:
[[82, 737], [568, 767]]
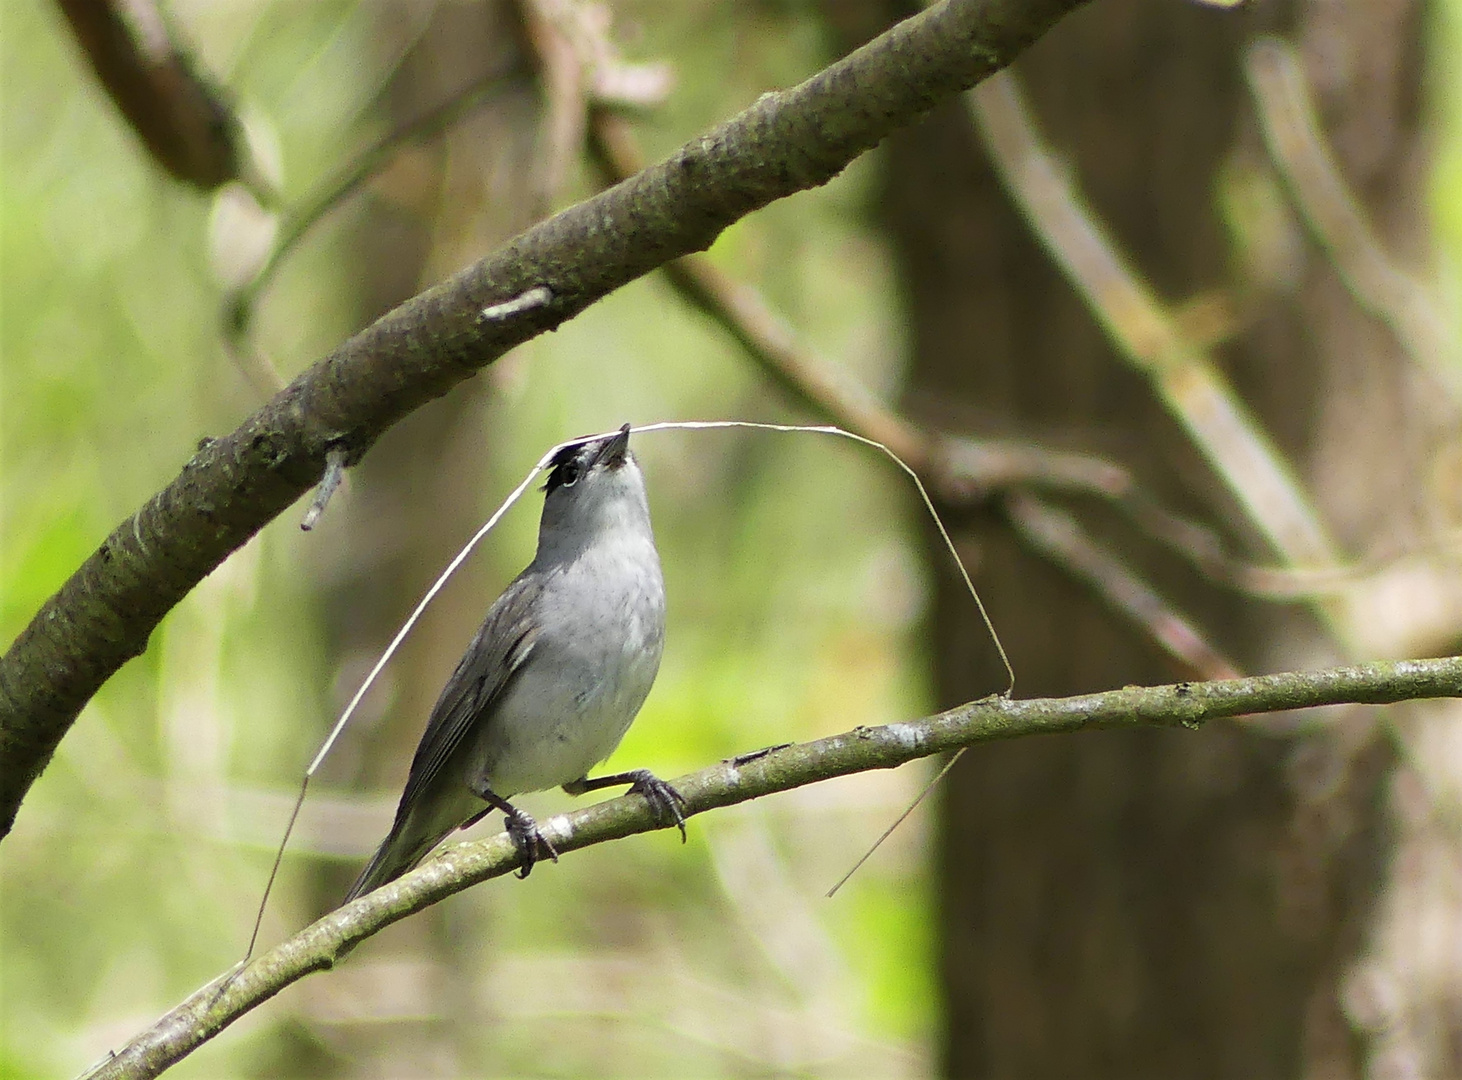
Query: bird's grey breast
[[594, 657]]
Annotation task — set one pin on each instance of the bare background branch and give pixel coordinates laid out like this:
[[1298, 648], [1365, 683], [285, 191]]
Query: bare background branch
[[181, 117]]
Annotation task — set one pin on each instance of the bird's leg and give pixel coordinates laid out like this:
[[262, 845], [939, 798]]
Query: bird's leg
[[523, 829], [665, 802]]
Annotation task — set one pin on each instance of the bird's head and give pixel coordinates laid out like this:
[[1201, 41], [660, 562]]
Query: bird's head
[[593, 486]]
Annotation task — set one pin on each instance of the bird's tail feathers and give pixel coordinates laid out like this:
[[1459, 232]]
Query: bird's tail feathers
[[398, 853]]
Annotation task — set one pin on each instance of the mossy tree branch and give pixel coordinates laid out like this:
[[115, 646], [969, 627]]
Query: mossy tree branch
[[784, 143], [1184, 705]]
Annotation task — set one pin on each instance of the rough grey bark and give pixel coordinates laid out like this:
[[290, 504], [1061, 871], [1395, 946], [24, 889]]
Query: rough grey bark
[[785, 142]]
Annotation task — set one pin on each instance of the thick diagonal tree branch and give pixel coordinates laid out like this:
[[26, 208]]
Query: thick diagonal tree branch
[[1184, 705], [786, 142]]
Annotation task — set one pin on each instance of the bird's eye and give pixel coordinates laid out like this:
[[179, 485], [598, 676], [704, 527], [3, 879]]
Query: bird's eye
[[569, 473]]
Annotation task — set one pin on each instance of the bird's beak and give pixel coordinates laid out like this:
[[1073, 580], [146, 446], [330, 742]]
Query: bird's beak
[[613, 451]]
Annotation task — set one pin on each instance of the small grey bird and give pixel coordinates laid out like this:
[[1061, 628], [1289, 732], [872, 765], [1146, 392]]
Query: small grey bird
[[553, 677]]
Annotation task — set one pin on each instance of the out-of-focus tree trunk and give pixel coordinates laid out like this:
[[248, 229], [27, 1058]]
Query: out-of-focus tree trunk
[[1155, 904], [420, 492]]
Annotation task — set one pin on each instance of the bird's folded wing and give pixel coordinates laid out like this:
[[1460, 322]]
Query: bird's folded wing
[[497, 653]]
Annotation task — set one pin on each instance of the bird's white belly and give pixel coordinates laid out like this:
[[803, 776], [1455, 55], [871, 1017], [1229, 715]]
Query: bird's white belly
[[590, 669], [546, 733]]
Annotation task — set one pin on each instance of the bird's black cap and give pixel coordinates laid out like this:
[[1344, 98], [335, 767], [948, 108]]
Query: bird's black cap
[[570, 463]]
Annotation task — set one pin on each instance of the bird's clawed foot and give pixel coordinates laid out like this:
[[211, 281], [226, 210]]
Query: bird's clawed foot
[[532, 845], [667, 804]]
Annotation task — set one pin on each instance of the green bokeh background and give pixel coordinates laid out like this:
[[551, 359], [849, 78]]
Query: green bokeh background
[[796, 592], [133, 871]]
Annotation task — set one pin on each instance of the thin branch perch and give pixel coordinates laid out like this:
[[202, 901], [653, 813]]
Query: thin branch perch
[[786, 142], [1184, 705]]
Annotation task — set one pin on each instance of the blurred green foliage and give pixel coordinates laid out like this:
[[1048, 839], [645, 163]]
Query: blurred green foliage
[[133, 871], [1444, 79]]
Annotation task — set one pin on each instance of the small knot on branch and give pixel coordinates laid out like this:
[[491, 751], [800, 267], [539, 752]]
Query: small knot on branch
[[536, 297], [334, 473]]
